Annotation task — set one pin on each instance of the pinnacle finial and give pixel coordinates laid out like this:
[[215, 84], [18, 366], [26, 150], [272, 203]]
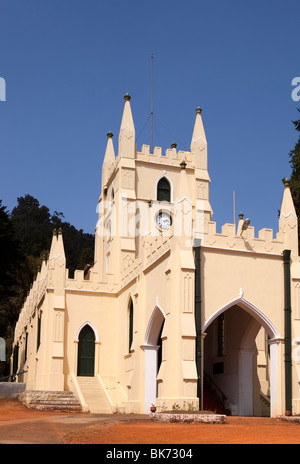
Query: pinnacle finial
[[60, 231], [183, 164], [173, 145], [286, 182], [54, 232], [127, 97], [241, 216], [198, 110], [110, 135]]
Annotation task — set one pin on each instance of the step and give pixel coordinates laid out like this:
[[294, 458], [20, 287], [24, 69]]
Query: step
[[94, 396], [50, 401], [55, 407]]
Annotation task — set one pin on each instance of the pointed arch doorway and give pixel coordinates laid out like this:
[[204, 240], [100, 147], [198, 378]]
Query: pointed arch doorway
[[230, 355], [86, 352], [153, 355]]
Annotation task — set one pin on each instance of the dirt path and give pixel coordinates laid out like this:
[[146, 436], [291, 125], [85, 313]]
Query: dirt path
[[21, 425], [238, 430]]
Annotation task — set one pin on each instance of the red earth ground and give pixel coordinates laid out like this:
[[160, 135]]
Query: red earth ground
[[21, 425]]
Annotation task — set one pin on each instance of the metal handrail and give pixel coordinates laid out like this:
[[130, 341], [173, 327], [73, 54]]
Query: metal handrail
[[12, 376], [210, 380]]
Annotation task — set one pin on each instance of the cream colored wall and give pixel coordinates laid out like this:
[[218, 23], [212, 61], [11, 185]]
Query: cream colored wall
[[100, 312], [260, 278], [148, 174]]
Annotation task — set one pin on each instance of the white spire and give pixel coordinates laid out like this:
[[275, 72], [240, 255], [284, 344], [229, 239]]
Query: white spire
[[183, 191], [53, 248], [60, 245], [199, 143], [287, 205], [288, 221], [109, 159], [127, 132]]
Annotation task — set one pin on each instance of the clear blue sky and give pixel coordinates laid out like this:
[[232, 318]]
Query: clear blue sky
[[68, 63]]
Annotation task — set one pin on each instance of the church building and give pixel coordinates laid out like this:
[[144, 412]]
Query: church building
[[171, 311]]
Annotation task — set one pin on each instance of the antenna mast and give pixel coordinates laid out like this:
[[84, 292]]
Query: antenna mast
[[234, 209], [151, 151]]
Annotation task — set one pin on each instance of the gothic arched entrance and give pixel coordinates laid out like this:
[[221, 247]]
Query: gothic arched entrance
[[86, 352], [242, 371], [152, 348]]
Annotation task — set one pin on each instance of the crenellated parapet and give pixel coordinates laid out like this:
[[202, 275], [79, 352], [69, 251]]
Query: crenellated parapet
[[90, 283], [33, 300], [153, 248], [234, 238], [170, 156]]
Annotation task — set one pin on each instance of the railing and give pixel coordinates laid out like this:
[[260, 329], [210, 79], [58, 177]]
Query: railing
[[12, 376], [265, 398], [211, 382]]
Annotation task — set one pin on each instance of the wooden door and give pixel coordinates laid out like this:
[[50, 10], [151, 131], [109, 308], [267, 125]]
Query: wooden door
[[86, 352]]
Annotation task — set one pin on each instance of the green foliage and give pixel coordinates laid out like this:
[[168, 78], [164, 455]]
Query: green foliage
[[295, 175], [34, 228], [9, 252], [25, 237]]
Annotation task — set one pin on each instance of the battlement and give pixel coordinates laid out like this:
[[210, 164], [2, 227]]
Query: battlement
[[171, 156], [233, 237], [32, 302], [153, 248], [89, 283]]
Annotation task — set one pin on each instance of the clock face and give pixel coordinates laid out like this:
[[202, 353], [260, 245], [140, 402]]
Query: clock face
[[163, 220]]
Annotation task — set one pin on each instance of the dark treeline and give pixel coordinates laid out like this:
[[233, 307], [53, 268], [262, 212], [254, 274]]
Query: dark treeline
[[295, 175], [25, 237]]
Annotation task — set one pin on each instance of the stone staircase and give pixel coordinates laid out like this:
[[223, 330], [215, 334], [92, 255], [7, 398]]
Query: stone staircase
[[63, 401], [265, 405], [94, 395], [213, 399]]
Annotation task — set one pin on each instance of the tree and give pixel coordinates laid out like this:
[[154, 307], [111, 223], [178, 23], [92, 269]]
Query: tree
[[11, 259], [34, 226], [25, 236], [295, 175], [10, 253]]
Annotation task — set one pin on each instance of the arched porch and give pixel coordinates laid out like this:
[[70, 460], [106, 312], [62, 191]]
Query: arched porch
[[231, 356], [152, 348]]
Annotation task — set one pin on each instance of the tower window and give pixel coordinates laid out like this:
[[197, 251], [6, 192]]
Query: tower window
[[130, 334], [26, 346], [39, 323], [221, 335], [163, 190]]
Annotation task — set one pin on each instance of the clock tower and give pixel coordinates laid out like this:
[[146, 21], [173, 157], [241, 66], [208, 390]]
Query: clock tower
[[151, 208], [146, 195]]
